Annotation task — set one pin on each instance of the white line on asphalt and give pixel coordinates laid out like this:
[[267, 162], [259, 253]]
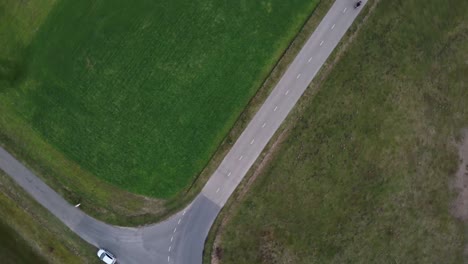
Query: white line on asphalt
[[170, 248], [172, 238], [168, 258], [251, 142], [175, 229], [344, 10], [264, 124], [241, 157], [286, 93], [229, 174], [276, 108], [298, 76], [321, 43], [217, 191], [309, 59], [333, 26], [179, 221]]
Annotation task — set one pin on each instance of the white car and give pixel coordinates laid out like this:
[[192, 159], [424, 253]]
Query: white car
[[106, 256]]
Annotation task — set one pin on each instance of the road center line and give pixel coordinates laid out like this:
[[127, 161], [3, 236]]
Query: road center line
[[241, 157], [276, 108], [333, 26], [229, 174], [170, 248], [251, 142], [175, 229], [168, 258], [309, 59], [298, 76], [286, 93], [179, 221], [172, 238], [321, 43], [264, 124], [217, 191]]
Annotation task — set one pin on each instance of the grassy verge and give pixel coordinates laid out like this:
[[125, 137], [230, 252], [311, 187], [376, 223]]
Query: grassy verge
[[31, 234], [77, 184], [364, 173]]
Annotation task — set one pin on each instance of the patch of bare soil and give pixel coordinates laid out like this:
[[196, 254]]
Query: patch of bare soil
[[460, 183]]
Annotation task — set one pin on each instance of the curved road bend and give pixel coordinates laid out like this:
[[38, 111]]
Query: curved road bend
[[180, 239]]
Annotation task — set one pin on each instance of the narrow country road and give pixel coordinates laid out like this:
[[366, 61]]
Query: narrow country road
[[180, 239]]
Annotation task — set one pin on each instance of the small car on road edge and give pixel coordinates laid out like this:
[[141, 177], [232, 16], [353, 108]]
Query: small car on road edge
[[106, 256]]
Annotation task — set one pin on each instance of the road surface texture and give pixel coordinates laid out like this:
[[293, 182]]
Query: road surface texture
[[180, 239]]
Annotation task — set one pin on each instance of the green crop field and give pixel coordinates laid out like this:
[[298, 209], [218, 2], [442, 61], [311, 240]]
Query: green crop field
[[138, 93], [364, 175]]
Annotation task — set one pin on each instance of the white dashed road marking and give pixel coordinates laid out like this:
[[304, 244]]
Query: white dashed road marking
[[217, 191], [309, 59], [321, 43], [170, 248], [179, 221], [276, 108], [251, 142], [229, 174], [298, 76], [286, 93], [344, 10], [175, 229], [241, 157], [333, 26], [264, 124], [172, 238]]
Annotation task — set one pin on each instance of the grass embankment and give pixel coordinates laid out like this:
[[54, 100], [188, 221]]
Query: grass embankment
[[30, 234], [138, 94], [363, 176], [14, 250]]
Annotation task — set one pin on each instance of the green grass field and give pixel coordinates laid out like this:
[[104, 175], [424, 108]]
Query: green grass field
[[141, 93], [364, 175]]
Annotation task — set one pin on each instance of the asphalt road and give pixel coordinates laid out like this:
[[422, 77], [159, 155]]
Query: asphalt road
[[180, 239]]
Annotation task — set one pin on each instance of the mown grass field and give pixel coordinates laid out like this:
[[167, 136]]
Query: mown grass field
[[141, 93], [364, 175], [30, 234]]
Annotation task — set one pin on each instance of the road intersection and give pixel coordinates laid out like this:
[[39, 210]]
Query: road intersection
[[180, 239]]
